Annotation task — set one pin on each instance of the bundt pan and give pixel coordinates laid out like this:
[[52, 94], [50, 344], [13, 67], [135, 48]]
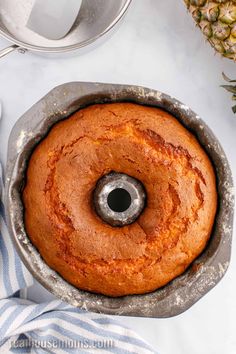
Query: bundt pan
[[180, 294]]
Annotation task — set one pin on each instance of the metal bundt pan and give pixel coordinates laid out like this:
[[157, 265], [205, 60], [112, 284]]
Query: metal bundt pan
[[180, 294]]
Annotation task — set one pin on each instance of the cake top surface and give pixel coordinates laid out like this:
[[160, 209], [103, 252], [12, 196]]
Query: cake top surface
[[147, 144]]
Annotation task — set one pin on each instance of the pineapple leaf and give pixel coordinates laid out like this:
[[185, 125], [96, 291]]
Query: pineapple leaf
[[230, 88], [226, 78]]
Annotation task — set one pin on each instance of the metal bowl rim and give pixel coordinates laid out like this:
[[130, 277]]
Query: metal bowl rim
[[32, 47]]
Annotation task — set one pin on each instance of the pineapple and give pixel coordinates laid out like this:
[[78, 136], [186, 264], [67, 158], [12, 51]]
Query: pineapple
[[217, 21], [231, 88]]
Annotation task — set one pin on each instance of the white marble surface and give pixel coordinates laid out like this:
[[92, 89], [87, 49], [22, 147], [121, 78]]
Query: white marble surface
[[157, 46]]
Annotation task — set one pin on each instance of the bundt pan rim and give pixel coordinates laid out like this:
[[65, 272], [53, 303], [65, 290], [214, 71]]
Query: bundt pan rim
[[180, 294]]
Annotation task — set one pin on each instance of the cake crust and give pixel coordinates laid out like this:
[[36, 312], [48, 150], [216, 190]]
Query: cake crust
[[146, 143]]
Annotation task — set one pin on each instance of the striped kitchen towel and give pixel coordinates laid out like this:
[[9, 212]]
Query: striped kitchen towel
[[52, 327]]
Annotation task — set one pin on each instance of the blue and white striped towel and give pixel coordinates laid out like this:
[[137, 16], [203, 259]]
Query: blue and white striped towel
[[52, 327]]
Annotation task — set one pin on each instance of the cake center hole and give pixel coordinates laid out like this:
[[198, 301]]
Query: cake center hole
[[119, 200]]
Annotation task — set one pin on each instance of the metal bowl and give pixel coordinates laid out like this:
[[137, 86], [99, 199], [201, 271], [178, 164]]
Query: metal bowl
[[94, 20], [177, 296]]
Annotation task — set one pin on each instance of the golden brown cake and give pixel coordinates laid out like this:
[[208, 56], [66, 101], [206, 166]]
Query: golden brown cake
[[145, 143]]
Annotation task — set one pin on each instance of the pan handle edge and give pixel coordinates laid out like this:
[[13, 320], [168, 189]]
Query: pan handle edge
[[10, 49]]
